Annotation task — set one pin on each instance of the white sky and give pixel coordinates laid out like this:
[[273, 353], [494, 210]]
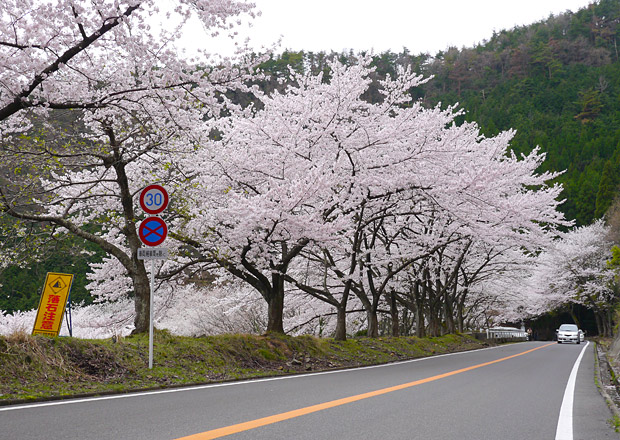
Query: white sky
[[420, 26]]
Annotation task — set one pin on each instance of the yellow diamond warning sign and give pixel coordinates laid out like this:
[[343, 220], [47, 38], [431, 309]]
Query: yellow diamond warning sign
[[57, 285], [52, 304]]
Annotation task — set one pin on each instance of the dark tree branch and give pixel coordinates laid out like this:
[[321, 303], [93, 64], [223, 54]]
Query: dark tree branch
[[20, 101]]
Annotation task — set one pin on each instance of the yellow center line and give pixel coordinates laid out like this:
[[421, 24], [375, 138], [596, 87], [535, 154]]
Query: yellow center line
[[252, 424]]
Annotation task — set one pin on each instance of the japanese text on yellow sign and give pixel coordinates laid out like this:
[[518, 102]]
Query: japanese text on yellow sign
[[52, 304]]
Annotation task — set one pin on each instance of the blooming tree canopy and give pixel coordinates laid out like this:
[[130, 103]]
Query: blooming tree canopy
[[576, 270], [317, 168]]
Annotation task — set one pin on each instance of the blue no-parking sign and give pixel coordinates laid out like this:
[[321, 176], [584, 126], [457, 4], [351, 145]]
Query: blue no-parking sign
[[153, 231]]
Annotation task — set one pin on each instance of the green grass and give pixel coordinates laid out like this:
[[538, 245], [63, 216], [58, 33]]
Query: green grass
[[37, 367], [615, 423]]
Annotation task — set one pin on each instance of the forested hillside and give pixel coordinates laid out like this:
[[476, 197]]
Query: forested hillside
[[557, 83]]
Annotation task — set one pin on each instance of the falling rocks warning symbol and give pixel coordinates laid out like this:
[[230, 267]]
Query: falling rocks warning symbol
[[57, 285]]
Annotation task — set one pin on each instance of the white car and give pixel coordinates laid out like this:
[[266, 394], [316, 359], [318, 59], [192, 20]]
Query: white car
[[568, 333]]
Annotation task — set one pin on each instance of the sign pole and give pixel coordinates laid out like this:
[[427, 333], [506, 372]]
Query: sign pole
[[152, 231], [151, 314], [68, 315]]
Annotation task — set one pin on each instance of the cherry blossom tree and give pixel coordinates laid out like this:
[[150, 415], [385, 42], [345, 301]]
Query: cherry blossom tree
[[576, 270], [94, 105]]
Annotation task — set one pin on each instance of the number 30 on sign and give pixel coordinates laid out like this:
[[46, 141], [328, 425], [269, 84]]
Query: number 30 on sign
[[153, 199]]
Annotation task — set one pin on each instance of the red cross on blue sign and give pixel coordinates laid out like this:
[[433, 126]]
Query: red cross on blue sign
[[153, 231]]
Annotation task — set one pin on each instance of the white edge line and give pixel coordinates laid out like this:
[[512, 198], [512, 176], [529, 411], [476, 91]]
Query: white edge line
[[564, 430], [70, 401]]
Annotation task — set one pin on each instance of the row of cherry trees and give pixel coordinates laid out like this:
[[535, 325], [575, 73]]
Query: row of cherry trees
[[391, 203], [311, 192]]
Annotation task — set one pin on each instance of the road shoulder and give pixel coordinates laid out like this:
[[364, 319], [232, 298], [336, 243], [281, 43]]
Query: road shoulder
[[593, 416]]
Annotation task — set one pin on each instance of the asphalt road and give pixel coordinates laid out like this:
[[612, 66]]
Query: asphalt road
[[514, 391]]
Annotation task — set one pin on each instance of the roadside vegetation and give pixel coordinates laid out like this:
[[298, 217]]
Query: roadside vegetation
[[38, 367]]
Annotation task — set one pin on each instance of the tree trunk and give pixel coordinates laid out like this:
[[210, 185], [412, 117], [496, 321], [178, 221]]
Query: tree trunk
[[420, 325], [142, 300], [405, 323], [341, 318], [571, 311], [275, 305], [341, 324], [608, 323], [599, 324], [434, 326], [373, 323], [461, 310], [394, 315], [434, 318], [460, 320], [449, 314], [373, 326], [275, 322], [138, 273]]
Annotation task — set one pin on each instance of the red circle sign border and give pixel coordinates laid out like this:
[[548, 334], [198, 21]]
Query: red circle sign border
[[143, 235], [163, 205]]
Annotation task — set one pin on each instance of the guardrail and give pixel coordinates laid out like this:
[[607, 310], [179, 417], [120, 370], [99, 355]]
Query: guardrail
[[508, 333]]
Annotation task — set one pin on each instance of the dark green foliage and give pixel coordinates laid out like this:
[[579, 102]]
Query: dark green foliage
[[608, 185], [557, 83], [21, 287]]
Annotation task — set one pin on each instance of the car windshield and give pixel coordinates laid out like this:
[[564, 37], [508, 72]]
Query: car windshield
[[568, 327]]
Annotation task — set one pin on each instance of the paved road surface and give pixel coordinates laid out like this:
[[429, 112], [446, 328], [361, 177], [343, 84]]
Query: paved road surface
[[510, 392]]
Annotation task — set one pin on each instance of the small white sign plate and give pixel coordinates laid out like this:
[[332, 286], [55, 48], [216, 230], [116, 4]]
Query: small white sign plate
[[153, 253]]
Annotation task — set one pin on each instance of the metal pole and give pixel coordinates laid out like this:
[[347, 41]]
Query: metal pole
[[68, 315], [152, 294]]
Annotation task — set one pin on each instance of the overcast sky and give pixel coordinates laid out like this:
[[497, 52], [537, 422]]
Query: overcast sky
[[380, 25]]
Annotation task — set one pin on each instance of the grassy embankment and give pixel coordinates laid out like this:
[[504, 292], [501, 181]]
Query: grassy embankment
[[40, 367]]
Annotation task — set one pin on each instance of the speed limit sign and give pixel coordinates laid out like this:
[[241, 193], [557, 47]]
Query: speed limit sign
[[153, 199]]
